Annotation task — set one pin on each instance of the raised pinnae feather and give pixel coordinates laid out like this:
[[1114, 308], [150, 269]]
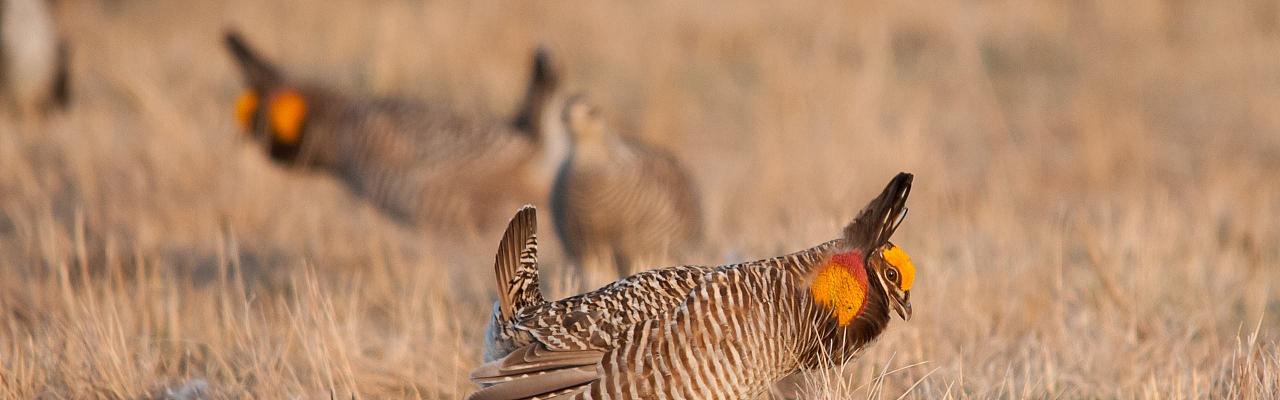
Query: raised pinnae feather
[[516, 264], [257, 71], [543, 71], [880, 218], [544, 79]]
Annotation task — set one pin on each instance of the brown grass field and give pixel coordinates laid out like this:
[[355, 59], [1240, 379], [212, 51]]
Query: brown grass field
[[1096, 211]]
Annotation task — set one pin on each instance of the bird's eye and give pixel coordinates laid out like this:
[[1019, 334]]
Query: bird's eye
[[892, 274]]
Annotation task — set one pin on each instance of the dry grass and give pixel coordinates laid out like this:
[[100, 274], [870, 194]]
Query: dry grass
[[1095, 213]]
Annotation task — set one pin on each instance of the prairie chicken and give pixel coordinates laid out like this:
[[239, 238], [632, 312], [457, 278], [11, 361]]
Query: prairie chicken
[[33, 61], [617, 201], [724, 332], [422, 164]]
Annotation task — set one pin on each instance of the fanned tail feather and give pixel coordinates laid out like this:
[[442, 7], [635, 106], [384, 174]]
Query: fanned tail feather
[[516, 265]]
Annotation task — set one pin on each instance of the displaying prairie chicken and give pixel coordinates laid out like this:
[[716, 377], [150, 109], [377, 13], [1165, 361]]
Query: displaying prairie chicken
[[617, 201], [33, 61], [726, 332], [422, 164]]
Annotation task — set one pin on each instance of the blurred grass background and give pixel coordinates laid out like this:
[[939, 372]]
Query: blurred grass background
[[1095, 212]]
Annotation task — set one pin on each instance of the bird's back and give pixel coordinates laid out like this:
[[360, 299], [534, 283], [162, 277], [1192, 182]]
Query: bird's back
[[592, 321], [732, 337], [431, 166]]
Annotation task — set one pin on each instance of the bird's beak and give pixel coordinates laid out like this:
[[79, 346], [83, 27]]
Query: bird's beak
[[902, 305]]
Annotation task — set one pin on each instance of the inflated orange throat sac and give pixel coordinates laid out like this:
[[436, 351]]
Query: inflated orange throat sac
[[841, 286], [246, 107], [286, 112]]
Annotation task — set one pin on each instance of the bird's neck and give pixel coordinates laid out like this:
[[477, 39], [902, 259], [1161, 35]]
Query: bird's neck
[[852, 309], [841, 286]]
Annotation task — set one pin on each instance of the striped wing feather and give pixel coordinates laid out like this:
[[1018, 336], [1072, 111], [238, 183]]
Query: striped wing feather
[[530, 360]]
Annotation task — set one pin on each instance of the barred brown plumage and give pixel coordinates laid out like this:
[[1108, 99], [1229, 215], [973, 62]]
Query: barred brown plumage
[[423, 164], [724, 332], [617, 201]]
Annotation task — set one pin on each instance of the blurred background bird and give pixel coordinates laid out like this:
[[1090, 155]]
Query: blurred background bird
[[618, 201], [33, 59], [420, 162]]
